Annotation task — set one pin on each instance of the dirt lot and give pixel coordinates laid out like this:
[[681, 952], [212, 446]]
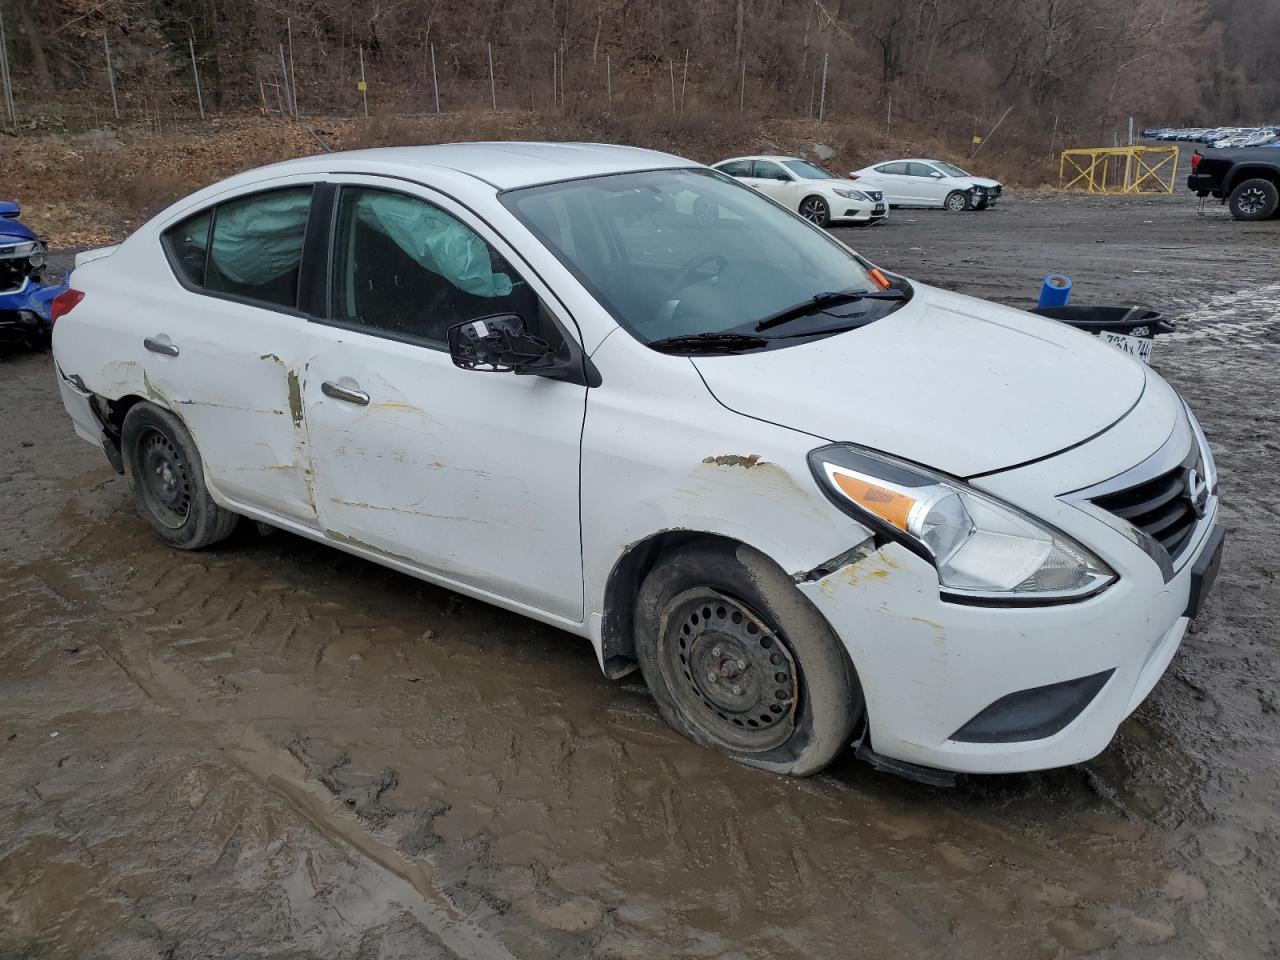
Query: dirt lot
[[275, 750]]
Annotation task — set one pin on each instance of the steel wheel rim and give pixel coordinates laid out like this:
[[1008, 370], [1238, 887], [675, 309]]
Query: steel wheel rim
[[732, 673], [1252, 200], [811, 210], [164, 478]]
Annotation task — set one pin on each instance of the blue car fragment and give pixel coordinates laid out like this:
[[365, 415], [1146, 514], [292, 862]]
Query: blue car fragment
[[25, 295]]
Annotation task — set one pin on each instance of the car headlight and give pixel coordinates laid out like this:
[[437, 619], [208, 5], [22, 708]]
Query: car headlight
[[849, 194], [984, 550]]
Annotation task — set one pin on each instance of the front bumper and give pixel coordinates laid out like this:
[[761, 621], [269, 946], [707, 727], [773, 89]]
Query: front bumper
[[929, 667], [24, 312]]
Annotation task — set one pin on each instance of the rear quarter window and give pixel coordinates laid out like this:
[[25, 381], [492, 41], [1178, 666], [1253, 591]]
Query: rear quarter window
[[187, 245]]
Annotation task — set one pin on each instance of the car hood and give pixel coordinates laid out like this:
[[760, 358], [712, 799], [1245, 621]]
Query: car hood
[[961, 385], [11, 231], [981, 181]]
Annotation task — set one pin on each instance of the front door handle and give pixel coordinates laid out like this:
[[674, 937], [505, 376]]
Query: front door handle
[[161, 344], [331, 389]]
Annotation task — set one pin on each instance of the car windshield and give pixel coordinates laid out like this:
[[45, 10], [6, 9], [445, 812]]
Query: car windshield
[[687, 253], [808, 171], [950, 169]]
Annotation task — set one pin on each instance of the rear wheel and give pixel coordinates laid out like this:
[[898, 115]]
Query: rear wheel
[[815, 210], [740, 662], [956, 201], [1255, 199], [166, 477]]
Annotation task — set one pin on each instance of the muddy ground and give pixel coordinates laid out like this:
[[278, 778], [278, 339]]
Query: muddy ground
[[272, 749]]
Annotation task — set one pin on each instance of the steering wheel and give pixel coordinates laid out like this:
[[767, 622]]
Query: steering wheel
[[692, 267]]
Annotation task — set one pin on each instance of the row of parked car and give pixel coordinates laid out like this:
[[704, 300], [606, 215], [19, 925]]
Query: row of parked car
[[1264, 136], [864, 196]]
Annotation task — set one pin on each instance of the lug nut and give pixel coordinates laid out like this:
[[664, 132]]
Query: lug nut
[[742, 664], [715, 651], [711, 676], [737, 691]]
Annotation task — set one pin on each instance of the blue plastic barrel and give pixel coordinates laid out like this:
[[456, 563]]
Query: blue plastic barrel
[[1056, 291]]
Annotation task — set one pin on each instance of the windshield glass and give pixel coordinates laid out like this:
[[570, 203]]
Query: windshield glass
[[950, 169], [675, 253], [809, 171]]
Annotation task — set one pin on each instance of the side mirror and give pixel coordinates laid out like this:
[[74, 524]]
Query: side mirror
[[936, 175], [498, 344]]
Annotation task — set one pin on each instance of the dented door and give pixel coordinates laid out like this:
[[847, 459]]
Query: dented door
[[472, 476], [233, 381]]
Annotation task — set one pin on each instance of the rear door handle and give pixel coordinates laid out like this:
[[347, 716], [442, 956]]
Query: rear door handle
[[331, 389], [161, 344]]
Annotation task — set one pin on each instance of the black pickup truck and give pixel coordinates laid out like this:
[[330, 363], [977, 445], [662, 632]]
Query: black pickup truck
[[1246, 178]]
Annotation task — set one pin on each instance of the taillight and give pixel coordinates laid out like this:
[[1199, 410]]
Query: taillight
[[1195, 161], [852, 176], [63, 304]]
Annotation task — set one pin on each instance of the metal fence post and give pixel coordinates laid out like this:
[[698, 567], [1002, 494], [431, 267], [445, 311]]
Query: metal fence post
[[671, 64], [742, 87], [493, 89], [191, 45], [288, 89], [435, 86], [822, 103], [111, 80], [364, 85], [293, 74], [608, 79], [4, 74], [684, 83]]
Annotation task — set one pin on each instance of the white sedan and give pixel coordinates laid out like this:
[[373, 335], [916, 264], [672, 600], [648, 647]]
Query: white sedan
[[816, 194], [929, 183], [615, 391]]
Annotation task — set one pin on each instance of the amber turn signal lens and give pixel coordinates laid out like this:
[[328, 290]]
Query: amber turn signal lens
[[890, 506]]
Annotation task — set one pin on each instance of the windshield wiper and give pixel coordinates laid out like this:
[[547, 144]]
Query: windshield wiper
[[708, 343], [816, 304]]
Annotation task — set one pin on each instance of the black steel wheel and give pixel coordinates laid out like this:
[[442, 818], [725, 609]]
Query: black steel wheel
[[733, 672], [166, 477], [738, 660], [1255, 199], [815, 210]]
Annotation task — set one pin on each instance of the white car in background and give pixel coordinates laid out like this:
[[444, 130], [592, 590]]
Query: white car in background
[[816, 505], [816, 194], [929, 183]]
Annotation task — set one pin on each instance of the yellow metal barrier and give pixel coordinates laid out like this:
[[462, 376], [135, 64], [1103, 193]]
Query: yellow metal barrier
[[1119, 169]]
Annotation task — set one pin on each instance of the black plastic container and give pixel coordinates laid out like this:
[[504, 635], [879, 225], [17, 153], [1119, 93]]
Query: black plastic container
[[1135, 321]]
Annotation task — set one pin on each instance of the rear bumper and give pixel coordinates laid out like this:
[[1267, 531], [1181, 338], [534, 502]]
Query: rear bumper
[[24, 313], [1204, 185]]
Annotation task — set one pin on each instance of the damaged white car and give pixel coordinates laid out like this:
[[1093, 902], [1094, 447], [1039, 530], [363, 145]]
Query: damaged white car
[[619, 392]]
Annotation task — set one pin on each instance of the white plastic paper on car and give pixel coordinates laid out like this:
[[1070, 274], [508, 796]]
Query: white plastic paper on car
[[436, 240], [259, 239]]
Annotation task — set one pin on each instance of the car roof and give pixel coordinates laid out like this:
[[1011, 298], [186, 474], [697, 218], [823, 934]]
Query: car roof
[[776, 158], [505, 165]]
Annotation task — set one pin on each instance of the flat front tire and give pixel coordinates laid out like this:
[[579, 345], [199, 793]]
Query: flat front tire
[[741, 662], [166, 478]]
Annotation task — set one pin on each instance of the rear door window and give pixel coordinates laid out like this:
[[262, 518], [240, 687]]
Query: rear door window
[[188, 247], [255, 248], [766, 170], [736, 168]]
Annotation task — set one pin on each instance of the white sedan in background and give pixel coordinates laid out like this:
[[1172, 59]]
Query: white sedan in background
[[816, 194], [929, 183], [816, 505]]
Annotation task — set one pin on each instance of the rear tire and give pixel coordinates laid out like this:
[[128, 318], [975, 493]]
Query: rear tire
[[1255, 199], [166, 477], [956, 201], [741, 662]]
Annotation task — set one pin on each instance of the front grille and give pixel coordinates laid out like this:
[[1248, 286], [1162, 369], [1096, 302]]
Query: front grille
[[1162, 507], [875, 195]]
